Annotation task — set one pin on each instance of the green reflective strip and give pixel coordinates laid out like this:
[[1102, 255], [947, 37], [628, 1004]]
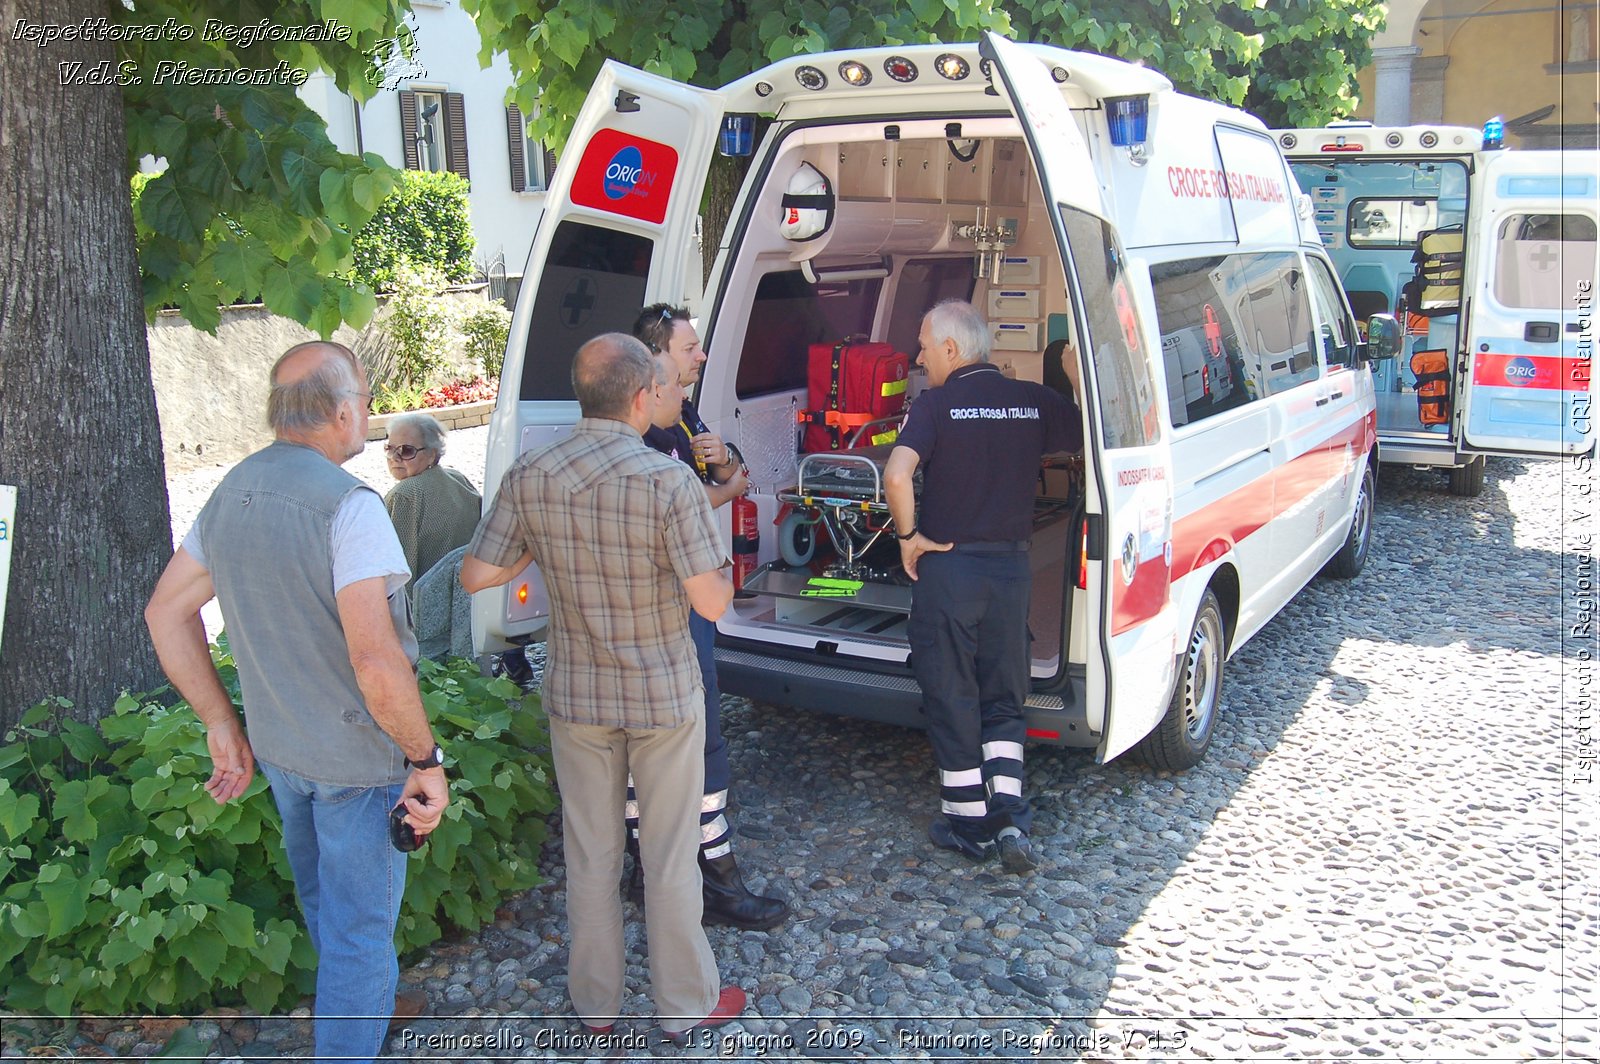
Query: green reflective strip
[[843, 585], [886, 437], [894, 388]]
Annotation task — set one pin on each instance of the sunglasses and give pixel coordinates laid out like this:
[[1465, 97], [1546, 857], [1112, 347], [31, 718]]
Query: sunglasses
[[405, 452]]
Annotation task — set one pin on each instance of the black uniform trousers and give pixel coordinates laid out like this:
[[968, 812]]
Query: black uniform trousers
[[716, 836], [969, 650]]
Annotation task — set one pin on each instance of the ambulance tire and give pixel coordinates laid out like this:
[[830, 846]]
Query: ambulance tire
[[1352, 557], [1180, 740], [1467, 480], [797, 539]]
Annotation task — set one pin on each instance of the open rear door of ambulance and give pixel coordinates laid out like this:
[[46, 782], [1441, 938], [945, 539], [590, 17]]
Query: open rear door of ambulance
[[1128, 490], [1527, 386], [615, 236]]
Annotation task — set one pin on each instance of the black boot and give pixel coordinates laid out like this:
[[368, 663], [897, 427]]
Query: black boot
[[728, 901], [633, 885]]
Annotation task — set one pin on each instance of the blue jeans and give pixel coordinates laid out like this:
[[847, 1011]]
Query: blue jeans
[[350, 880]]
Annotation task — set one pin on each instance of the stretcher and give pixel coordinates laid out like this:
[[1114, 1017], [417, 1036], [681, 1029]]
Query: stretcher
[[842, 493]]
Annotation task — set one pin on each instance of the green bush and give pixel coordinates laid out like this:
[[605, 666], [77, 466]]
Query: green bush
[[485, 330], [424, 221], [416, 328], [124, 888]]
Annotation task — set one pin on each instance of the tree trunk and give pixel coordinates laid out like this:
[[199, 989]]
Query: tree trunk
[[79, 436]]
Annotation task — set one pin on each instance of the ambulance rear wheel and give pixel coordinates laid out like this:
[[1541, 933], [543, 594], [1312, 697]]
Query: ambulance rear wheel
[[1184, 734], [1352, 557], [797, 539], [1467, 480]]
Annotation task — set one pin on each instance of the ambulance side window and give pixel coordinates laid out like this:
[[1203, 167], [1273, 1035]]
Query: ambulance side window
[[1125, 391], [593, 282], [1541, 260], [1335, 327], [1201, 347], [1282, 334], [788, 316]]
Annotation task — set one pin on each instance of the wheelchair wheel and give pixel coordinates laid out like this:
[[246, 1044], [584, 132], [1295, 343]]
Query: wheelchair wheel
[[797, 540]]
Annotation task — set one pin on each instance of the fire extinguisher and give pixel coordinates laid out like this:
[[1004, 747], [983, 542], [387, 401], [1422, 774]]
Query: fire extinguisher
[[746, 532]]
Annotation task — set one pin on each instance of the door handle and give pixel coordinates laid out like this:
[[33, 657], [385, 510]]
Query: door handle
[[1336, 395], [1324, 401]]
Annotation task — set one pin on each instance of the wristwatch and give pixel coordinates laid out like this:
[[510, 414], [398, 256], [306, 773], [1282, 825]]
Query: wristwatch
[[435, 759], [908, 535]]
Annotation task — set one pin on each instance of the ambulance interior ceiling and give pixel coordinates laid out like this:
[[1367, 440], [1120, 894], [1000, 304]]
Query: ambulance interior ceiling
[[897, 205]]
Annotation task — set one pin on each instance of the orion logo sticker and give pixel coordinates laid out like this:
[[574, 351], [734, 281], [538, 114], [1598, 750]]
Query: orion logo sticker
[[1130, 558], [620, 173], [1521, 371]]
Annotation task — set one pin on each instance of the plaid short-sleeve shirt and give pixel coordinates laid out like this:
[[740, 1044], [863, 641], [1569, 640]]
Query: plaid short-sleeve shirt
[[615, 528]]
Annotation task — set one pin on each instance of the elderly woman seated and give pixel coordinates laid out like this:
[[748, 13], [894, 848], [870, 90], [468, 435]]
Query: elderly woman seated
[[434, 509]]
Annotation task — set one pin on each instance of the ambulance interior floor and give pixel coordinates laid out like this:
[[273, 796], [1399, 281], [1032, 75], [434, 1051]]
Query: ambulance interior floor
[[1397, 412], [1046, 614]]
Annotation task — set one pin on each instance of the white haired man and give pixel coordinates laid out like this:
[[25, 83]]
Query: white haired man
[[967, 553]]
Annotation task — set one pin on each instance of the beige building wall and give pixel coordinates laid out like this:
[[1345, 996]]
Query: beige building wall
[[1533, 60]]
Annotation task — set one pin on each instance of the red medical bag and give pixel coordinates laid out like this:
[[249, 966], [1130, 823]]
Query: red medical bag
[[852, 384]]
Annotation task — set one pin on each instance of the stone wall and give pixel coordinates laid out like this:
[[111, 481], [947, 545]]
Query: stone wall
[[211, 391]]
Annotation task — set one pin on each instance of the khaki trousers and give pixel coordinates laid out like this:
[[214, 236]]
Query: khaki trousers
[[668, 766]]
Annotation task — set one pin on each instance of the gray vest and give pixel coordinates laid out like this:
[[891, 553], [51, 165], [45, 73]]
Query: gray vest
[[267, 535]]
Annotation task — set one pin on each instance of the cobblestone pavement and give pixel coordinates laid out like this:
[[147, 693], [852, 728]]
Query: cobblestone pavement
[[1390, 852]]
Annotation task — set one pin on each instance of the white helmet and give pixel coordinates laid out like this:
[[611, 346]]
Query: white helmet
[[807, 205]]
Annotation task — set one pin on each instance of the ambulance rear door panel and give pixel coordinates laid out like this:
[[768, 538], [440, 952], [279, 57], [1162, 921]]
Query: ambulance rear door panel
[[1526, 390], [1128, 494], [617, 215]]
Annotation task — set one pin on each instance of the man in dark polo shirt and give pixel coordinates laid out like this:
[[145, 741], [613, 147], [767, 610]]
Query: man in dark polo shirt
[[979, 437]]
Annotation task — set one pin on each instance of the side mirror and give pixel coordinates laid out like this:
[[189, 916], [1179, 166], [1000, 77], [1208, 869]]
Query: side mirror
[[1384, 338]]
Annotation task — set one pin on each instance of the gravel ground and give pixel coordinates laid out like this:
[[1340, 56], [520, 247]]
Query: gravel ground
[[1389, 854]]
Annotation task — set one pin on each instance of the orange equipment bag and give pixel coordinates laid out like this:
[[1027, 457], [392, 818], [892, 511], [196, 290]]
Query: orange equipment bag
[[1432, 369]]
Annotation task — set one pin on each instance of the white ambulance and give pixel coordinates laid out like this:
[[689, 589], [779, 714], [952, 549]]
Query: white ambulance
[[1488, 257], [1081, 200]]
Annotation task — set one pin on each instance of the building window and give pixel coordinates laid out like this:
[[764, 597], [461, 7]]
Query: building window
[[532, 165], [433, 131]]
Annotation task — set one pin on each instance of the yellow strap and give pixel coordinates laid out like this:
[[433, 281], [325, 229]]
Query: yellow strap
[[894, 388], [885, 437], [684, 425]]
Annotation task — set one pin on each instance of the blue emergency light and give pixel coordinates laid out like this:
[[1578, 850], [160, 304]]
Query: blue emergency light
[[1494, 134], [1129, 119], [738, 135]]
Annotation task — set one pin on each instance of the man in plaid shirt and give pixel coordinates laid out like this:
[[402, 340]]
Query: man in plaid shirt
[[627, 544]]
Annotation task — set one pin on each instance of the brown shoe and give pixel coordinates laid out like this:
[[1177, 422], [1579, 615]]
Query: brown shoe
[[408, 1005]]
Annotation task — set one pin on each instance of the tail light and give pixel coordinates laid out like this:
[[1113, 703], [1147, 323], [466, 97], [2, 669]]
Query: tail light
[[1083, 559]]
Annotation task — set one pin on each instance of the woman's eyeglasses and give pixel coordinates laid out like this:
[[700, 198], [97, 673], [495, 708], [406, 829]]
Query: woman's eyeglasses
[[405, 452]]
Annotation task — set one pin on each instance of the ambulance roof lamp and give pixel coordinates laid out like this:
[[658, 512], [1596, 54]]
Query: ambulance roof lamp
[[738, 135], [1494, 134], [1129, 120]]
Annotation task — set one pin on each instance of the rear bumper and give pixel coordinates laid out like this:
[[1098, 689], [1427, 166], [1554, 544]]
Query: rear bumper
[[867, 694]]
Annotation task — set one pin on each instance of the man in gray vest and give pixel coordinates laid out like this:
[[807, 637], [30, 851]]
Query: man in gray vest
[[310, 576]]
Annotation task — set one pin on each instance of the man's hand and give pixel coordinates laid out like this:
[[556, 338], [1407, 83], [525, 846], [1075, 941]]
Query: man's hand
[[914, 548], [426, 794], [710, 450], [1069, 366], [233, 763]]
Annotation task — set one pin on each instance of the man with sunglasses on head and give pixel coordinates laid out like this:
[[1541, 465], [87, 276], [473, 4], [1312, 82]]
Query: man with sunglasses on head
[[669, 334]]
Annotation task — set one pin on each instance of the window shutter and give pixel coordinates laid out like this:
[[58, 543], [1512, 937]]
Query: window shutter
[[409, 129], [516, 140], [455, 133]]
